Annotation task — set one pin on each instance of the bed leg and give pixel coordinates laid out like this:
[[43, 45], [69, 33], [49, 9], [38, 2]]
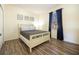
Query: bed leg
[[49, 40], [30, 50]]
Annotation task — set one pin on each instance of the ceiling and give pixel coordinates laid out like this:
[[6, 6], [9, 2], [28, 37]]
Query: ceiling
[[37, 8]]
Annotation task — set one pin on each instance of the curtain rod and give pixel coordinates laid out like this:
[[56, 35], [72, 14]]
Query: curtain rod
[[55, 10]]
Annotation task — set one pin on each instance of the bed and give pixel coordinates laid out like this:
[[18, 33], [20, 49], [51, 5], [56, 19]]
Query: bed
[[32, 37]]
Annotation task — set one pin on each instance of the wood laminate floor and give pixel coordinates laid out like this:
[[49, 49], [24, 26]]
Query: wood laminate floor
[[54, 47]]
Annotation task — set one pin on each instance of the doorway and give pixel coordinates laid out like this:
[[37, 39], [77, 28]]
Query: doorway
[[1, 26], [55, 24]]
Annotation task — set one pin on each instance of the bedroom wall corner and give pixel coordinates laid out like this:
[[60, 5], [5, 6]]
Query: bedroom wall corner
[[70, 16], [11, 30]]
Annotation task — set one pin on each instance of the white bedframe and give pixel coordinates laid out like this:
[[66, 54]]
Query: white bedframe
[[36, 41]]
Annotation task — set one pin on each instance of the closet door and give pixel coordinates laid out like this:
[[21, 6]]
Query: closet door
[[1, 26], [54, 25]]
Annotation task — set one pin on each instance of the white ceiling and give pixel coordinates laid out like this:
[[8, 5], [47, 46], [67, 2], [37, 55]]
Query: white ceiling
[[37, 8]]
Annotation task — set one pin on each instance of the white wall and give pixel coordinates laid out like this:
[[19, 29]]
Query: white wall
[[11, 30], [70, 18], [44, 21]]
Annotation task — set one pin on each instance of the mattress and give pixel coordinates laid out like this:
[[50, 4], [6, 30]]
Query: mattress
[[27, 33]]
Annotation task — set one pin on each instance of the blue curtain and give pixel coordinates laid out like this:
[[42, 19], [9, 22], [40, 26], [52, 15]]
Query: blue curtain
[[53, 18], [60, 27], [50, 22]]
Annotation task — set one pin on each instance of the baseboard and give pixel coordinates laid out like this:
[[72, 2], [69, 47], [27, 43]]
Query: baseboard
[[11, 39], [67, 41], [53, 38], [71, 42]]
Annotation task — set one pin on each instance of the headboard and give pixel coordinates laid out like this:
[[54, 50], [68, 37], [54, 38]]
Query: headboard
[[24, 27]]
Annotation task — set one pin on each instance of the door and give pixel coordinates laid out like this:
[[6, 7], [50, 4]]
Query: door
[[1, 26], [54, 25]]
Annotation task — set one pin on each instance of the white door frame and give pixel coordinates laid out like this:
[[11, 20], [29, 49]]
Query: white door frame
[[3, 22]]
